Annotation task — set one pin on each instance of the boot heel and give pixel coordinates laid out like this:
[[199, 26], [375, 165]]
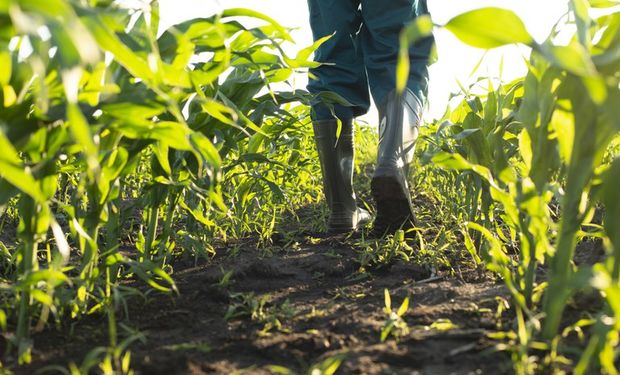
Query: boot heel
[[343, 222], [388, 188]]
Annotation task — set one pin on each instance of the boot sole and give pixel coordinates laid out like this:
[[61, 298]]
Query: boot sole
[[334, 227]]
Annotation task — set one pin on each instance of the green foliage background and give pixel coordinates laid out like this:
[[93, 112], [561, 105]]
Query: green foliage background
[[115, 138], [122, 149], [529, 167]]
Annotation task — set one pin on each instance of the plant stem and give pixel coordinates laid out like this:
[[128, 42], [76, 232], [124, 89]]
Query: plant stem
[[23, 319]]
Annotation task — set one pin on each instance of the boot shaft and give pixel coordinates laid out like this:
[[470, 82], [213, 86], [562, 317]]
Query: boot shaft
[[336, 150], [337, 156], [399, 120]]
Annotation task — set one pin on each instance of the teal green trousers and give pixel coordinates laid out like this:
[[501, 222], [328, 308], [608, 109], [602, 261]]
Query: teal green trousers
[[363, 52]]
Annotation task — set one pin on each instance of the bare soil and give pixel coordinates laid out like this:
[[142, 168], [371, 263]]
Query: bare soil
[[324, 308]]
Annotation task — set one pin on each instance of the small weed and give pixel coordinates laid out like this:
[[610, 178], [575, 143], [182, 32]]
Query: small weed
[[378, 254], [443, 325], [258, 309], [246, 305], [226, 280], [328, 366], [199, 346]]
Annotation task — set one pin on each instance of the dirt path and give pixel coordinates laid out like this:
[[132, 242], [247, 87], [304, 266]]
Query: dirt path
[[315, 306]]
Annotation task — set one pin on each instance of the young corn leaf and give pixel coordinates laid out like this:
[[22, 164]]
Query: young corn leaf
[[13, 171], [387, 300], [419, 28], [572, 57], [6, 62], [612, 213], [108, 41], [301, 59], [489, 28], [580, 9], [603, 3], [402, 310], [238, 12]]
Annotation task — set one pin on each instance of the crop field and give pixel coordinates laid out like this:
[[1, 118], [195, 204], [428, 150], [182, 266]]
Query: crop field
[[161, 209]]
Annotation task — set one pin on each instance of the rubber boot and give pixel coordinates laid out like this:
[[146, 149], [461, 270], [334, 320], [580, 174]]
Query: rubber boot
[[398, 130], [336, 155]]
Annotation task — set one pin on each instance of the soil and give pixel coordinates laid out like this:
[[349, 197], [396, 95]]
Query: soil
[[319, 306]]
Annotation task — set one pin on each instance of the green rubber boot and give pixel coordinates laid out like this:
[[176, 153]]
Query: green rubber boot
[[336, 155], [400, 117]]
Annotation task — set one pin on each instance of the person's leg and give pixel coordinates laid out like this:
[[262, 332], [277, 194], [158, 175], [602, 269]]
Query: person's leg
[[379, 39], [399, 115], [343, 74], [343, 70]]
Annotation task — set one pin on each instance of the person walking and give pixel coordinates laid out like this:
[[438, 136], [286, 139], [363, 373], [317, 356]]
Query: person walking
[[361, 54]]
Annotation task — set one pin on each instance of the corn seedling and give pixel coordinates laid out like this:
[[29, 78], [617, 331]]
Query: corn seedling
[[394, 324]]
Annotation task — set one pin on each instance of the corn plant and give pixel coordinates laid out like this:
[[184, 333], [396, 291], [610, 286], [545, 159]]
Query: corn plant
[[531, 157], [115, 134]]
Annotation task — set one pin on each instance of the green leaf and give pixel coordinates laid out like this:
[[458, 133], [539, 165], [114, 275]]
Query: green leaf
[[48, 7], [128, 110], [175, 134], [10, 97], [154, 17], [305, 53], [603, 3], [281, 370], [67, 50], [403, 307], [52, 277], [612, 109], [387, 299], [6, 62], [596, 88], [204, 147], [443, 325], [573, 58], [220, 112], [328, 366], [13, 171], [42, 297], [563, 124], [612, 210], [420, 28], [61, 240], [243, 12], [108, 41], [2, 320], [302, 58], [161, 150], [489, 28], [402, 67], [470, 247], [582, 18], [111, 169], [275, 189], [82, 134]]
